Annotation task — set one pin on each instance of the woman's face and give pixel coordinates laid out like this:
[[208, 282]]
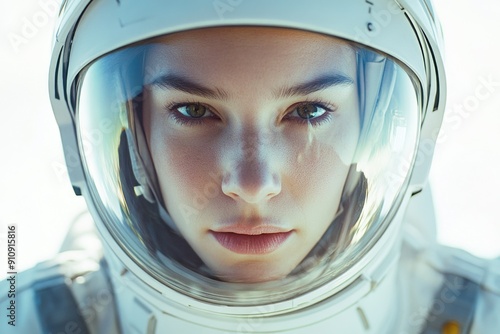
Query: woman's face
[[252, 132]]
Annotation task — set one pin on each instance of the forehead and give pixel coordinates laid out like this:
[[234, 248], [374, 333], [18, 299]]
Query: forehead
[[223, 55]]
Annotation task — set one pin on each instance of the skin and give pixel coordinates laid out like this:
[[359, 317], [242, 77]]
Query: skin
[[251, 159]]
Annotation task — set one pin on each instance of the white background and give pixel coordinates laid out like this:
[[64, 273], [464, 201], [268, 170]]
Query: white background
[[35, 193]]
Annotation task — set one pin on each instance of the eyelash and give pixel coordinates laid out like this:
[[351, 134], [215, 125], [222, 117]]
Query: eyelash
[[324, 118], [183, 120], [186, 121]]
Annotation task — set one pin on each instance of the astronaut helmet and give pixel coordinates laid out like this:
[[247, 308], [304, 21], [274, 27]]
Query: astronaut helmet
[[239, 155]]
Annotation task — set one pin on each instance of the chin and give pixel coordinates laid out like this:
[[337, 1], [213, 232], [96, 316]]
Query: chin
[[253, 272]]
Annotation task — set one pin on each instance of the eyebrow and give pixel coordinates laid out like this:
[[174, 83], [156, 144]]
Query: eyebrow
[[319, 83], [177, 82]]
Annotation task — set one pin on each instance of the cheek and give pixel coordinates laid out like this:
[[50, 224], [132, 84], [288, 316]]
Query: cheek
[[316, 192], [319, 179], [185, 168], [318, 170], [182, 169]]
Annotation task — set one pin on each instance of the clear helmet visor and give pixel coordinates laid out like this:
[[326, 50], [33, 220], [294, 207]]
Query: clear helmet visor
[[246, 166]]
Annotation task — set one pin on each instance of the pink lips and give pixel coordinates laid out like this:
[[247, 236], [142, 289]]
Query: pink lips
[[251, 244], [247, 239]]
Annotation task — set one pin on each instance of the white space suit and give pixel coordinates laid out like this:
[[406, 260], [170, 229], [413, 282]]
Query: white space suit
[[149, 94]]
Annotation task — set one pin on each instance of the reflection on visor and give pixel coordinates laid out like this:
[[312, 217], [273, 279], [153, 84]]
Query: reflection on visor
[[246, 170]]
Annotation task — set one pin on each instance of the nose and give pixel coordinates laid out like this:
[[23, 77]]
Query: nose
[[251, 177]]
